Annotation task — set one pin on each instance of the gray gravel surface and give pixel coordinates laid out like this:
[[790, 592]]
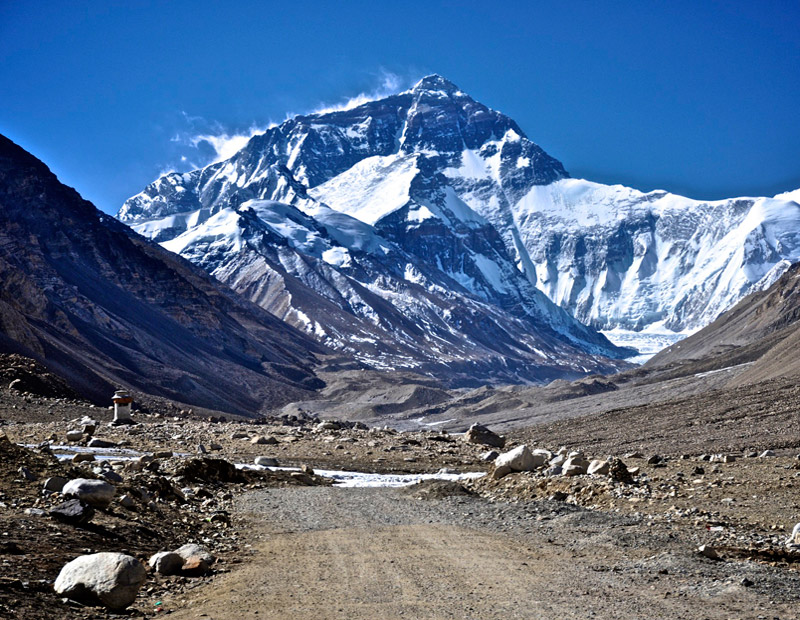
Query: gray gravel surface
[[575, 562]]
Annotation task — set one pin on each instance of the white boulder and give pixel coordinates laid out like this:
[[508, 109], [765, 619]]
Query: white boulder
[[575, 466], [112, 579], [166, 563], [519, 459], [74, 435], [195, 551], [598, 467], [94, 492]]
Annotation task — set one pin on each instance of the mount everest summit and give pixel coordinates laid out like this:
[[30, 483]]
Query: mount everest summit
[[425, 230]]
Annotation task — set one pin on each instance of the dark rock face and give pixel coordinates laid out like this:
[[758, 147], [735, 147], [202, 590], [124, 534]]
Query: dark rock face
[[101, 306], [209, 470], [25, 375], [479, 434], [73, 511]]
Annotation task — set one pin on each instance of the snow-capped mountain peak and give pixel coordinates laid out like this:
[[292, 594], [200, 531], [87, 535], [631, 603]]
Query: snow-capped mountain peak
[[427, 200], [435, 82]]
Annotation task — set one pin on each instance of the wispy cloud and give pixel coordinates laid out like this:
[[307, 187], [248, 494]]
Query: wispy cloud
[[211, 140], [226, 145], [390, 83]]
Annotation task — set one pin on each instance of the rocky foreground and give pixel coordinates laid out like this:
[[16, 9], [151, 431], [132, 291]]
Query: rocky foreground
[[551, 528]]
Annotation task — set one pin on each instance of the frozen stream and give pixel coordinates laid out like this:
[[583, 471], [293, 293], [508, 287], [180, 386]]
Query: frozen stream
[[348, 479]]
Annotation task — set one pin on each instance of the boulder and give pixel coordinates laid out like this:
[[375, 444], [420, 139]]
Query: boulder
[[166, 563], [302, 478], [101, 443], [55, 484], [73, 511], [708, 552], [553, 470], [489, 456], [481, 435], [520, 459], [87, 421], [266, 461], [194, 567], [598, 467], [111, 579], [767, 453], [94, 492], [110, 475], [499, 472], [575, 466], [794, 539], [191, 550], [264, 441], [196, 560], [74, 435]]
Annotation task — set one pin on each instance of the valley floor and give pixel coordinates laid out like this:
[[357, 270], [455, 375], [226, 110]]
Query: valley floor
[[524, 546]]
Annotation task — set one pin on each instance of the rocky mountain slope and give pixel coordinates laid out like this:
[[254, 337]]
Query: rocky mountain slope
[[467, 199], [101, 306], [762, 331]]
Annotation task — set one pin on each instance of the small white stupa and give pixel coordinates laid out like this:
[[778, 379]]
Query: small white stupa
[[122, 407]]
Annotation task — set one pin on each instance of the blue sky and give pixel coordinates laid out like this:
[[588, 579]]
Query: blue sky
[[700, 98]]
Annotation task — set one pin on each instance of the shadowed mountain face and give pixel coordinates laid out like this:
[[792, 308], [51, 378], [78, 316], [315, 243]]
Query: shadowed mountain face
[[101, 306], [762, 331]]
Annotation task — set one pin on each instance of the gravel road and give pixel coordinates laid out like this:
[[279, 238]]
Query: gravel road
[[327, 552]]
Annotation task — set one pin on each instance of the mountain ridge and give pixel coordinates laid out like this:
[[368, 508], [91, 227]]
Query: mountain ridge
[[103, 307], [458, 186]]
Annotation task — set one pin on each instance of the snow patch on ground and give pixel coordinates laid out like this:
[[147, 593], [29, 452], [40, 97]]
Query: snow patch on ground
[[357, 479]]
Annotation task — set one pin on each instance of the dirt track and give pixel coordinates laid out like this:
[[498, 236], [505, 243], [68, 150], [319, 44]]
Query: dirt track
[[376, 553]]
